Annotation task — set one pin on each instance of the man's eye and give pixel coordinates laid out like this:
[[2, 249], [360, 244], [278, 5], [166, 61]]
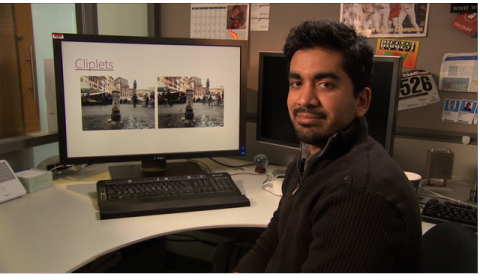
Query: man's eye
[[295, 84], [326, 85]]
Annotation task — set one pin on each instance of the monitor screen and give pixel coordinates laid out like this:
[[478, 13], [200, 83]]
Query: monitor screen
[[273, 121], [122, 98]]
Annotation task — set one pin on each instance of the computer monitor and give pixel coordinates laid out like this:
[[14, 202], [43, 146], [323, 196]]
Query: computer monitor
[[273, 121], [130, 99]]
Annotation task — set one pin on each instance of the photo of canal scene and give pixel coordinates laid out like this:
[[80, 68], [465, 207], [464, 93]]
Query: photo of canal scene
[[189, 102], [110, 103]]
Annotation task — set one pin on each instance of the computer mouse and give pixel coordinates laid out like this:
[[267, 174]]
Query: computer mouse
[[274, 187]]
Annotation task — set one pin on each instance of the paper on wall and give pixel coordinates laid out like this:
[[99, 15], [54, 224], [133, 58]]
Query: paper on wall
[[450, 110], [459, 72], [467, 111], [260, 17], [417, 89]]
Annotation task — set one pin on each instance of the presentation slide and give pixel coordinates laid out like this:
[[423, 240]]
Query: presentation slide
[[130, 99]]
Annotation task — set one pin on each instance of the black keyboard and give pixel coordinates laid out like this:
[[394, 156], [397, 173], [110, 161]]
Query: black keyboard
[[161, 195], [438, 210]]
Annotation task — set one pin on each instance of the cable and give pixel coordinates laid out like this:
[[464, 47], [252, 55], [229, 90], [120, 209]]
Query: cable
[[200, 164], [249, 173], [232, 166], [226, 165], [439, 195], [62, 168], [237, 166]]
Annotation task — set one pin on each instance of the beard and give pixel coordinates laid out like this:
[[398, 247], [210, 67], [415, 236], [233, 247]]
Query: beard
[[308, 134], [317, 134]]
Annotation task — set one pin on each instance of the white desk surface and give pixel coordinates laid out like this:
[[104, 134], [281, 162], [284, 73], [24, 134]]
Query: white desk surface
[[58, 229]]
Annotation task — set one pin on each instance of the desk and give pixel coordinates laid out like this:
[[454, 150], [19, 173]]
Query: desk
[[58, 229]]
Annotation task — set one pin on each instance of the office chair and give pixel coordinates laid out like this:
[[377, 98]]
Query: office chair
[[226, 256], [449, 247]]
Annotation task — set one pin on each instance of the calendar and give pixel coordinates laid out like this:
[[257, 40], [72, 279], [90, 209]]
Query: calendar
[[219, 21]]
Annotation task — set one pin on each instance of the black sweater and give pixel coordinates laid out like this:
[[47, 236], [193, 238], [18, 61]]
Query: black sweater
[[352, 210]]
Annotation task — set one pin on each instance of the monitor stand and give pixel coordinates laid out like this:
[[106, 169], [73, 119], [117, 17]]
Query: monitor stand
[[148, 169]]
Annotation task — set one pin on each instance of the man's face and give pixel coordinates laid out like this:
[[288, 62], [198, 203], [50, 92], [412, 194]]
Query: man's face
[[321, 99]]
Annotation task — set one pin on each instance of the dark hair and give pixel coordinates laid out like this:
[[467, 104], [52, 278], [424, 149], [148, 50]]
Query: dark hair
[[330, 35]]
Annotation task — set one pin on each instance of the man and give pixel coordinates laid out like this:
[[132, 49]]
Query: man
[[346, 205]]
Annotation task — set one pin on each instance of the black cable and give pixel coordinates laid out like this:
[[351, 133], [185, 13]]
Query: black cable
[[200, 164], [232, 166], [236, 166]]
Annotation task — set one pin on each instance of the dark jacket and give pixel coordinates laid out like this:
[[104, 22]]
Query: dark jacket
[[352, 210]]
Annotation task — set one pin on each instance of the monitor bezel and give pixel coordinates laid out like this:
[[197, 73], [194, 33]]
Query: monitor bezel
[[260, 112], [397, 68], [58, 38]]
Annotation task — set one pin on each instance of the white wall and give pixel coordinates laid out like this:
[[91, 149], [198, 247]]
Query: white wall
[[122, 19], [49, 18]]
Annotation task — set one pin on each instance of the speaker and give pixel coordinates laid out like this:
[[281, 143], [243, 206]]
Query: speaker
[[439, 164]]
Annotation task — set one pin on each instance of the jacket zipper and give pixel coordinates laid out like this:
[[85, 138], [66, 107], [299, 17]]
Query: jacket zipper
[[296, 189], [300, 176]]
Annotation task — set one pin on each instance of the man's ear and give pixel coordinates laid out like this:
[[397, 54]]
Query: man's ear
[[363, 102]]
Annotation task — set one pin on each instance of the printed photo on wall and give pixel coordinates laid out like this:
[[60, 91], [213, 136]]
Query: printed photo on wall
[[450, 110], [467, 111], [375, 20]]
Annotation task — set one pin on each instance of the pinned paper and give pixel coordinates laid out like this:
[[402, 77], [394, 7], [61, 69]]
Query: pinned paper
[[460, 111], [260, 18], [417, 89], [451, 110], [408, 50], [459, 72], [467, 111]]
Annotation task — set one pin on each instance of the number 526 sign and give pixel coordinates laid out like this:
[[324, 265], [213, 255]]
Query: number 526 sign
[[417, 89]]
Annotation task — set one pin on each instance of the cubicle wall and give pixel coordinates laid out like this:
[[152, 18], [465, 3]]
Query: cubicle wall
[[418, 128]]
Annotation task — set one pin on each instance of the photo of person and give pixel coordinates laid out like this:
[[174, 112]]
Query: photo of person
[[451, 105], [236, 16], [468, 106], [467, 109]]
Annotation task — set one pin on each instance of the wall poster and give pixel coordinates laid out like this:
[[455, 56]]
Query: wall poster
[[407, 49], [375, 20]]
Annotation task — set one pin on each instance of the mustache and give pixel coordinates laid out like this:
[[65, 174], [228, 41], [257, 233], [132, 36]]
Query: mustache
[[319, 113]]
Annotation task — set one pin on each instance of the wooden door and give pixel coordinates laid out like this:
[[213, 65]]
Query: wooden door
[[19, 112]]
